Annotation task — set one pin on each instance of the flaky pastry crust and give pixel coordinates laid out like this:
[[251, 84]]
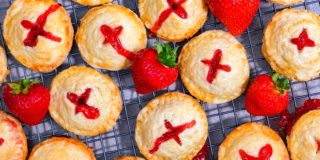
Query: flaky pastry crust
[[177, 108], [92, 2], [105, 96], [250, 137], [4, 72]]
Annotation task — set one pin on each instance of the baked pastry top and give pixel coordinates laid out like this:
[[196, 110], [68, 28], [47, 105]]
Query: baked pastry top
[[173, 20], [109, 36], [253, 140], [291, 44], [171, 126], [3, 66], [286, 2], [13, 142], [129, 158], [38, 33], [84, 101], [61, 148], [304, 139], [214, 68], [92, 2]]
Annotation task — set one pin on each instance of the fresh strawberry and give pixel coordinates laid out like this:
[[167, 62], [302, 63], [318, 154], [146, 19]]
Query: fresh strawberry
[[267, 95], [154, 70], [235, 15], [28, 100]]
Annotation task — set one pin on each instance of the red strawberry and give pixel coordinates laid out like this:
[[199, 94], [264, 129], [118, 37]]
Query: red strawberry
[[235, 15], [267, 95], [28, 100], [154, 70]]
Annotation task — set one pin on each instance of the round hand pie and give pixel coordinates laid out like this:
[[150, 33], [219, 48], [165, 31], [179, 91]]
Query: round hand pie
[[128, 158], [109, 36], [304, 139], [13, 142], [214, 67], [286, 2], [3, 66], [61, 148], [291, 44], [84, 101], [253, 141], [92, 2], [173, 20], [38, 33], [171, 126]]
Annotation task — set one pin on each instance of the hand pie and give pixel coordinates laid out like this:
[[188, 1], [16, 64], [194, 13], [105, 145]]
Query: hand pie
[[3, 66], [214, 67], [304, 139], [253, 141], [38, 33], [109, 36], [291, 44], [13, 142], [92, 2], [84, 101], [173, 20], [128, 158], [171, 126], [286, 2], [61, 148]]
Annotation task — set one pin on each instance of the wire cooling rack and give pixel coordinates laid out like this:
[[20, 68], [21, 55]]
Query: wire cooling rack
[[120, 140]]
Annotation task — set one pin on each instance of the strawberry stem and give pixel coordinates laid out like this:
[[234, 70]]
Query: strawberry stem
[[282, 84], [166, 54], [22, 86]]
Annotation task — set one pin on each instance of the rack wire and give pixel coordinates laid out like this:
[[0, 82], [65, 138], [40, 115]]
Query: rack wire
[[120, 141]]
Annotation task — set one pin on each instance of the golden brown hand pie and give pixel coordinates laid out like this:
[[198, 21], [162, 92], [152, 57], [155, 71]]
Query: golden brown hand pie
[[253, 140], [173, 20], [129, 158], [92, 2], [61, 148], [304, 139], [3, 66], [84, 101], [38, 33], [291, 44], [13, 142], [286, 2], [171, 126], [109, 36], [214, 67]]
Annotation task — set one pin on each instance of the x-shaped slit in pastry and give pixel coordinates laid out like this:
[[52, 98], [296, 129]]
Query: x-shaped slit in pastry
[[37, 28], [264, 153]]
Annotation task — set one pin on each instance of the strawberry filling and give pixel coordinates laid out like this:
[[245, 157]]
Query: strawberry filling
[[214, 65], [37, 28], [265, 153], [303, 40], [111, 36], [172, 133], [202, 154], [1, 141], [287, 120], [175, 6], [80, 102]]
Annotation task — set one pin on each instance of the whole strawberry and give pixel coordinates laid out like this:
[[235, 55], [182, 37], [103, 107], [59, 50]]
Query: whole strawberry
[[28, 100], [235, 15], [267, 95], [154, 70]]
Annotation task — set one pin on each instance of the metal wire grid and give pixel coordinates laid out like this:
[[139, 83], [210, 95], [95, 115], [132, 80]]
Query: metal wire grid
[[120, 140]]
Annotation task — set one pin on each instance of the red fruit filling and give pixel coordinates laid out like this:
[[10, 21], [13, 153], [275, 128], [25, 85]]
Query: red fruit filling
[[111, 36], [37, 28], [202, 154], [80, 102], [303, 40], [287, 120], [175, 6], [214, 65], [1, 141], [172, 133], [265, 153]]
